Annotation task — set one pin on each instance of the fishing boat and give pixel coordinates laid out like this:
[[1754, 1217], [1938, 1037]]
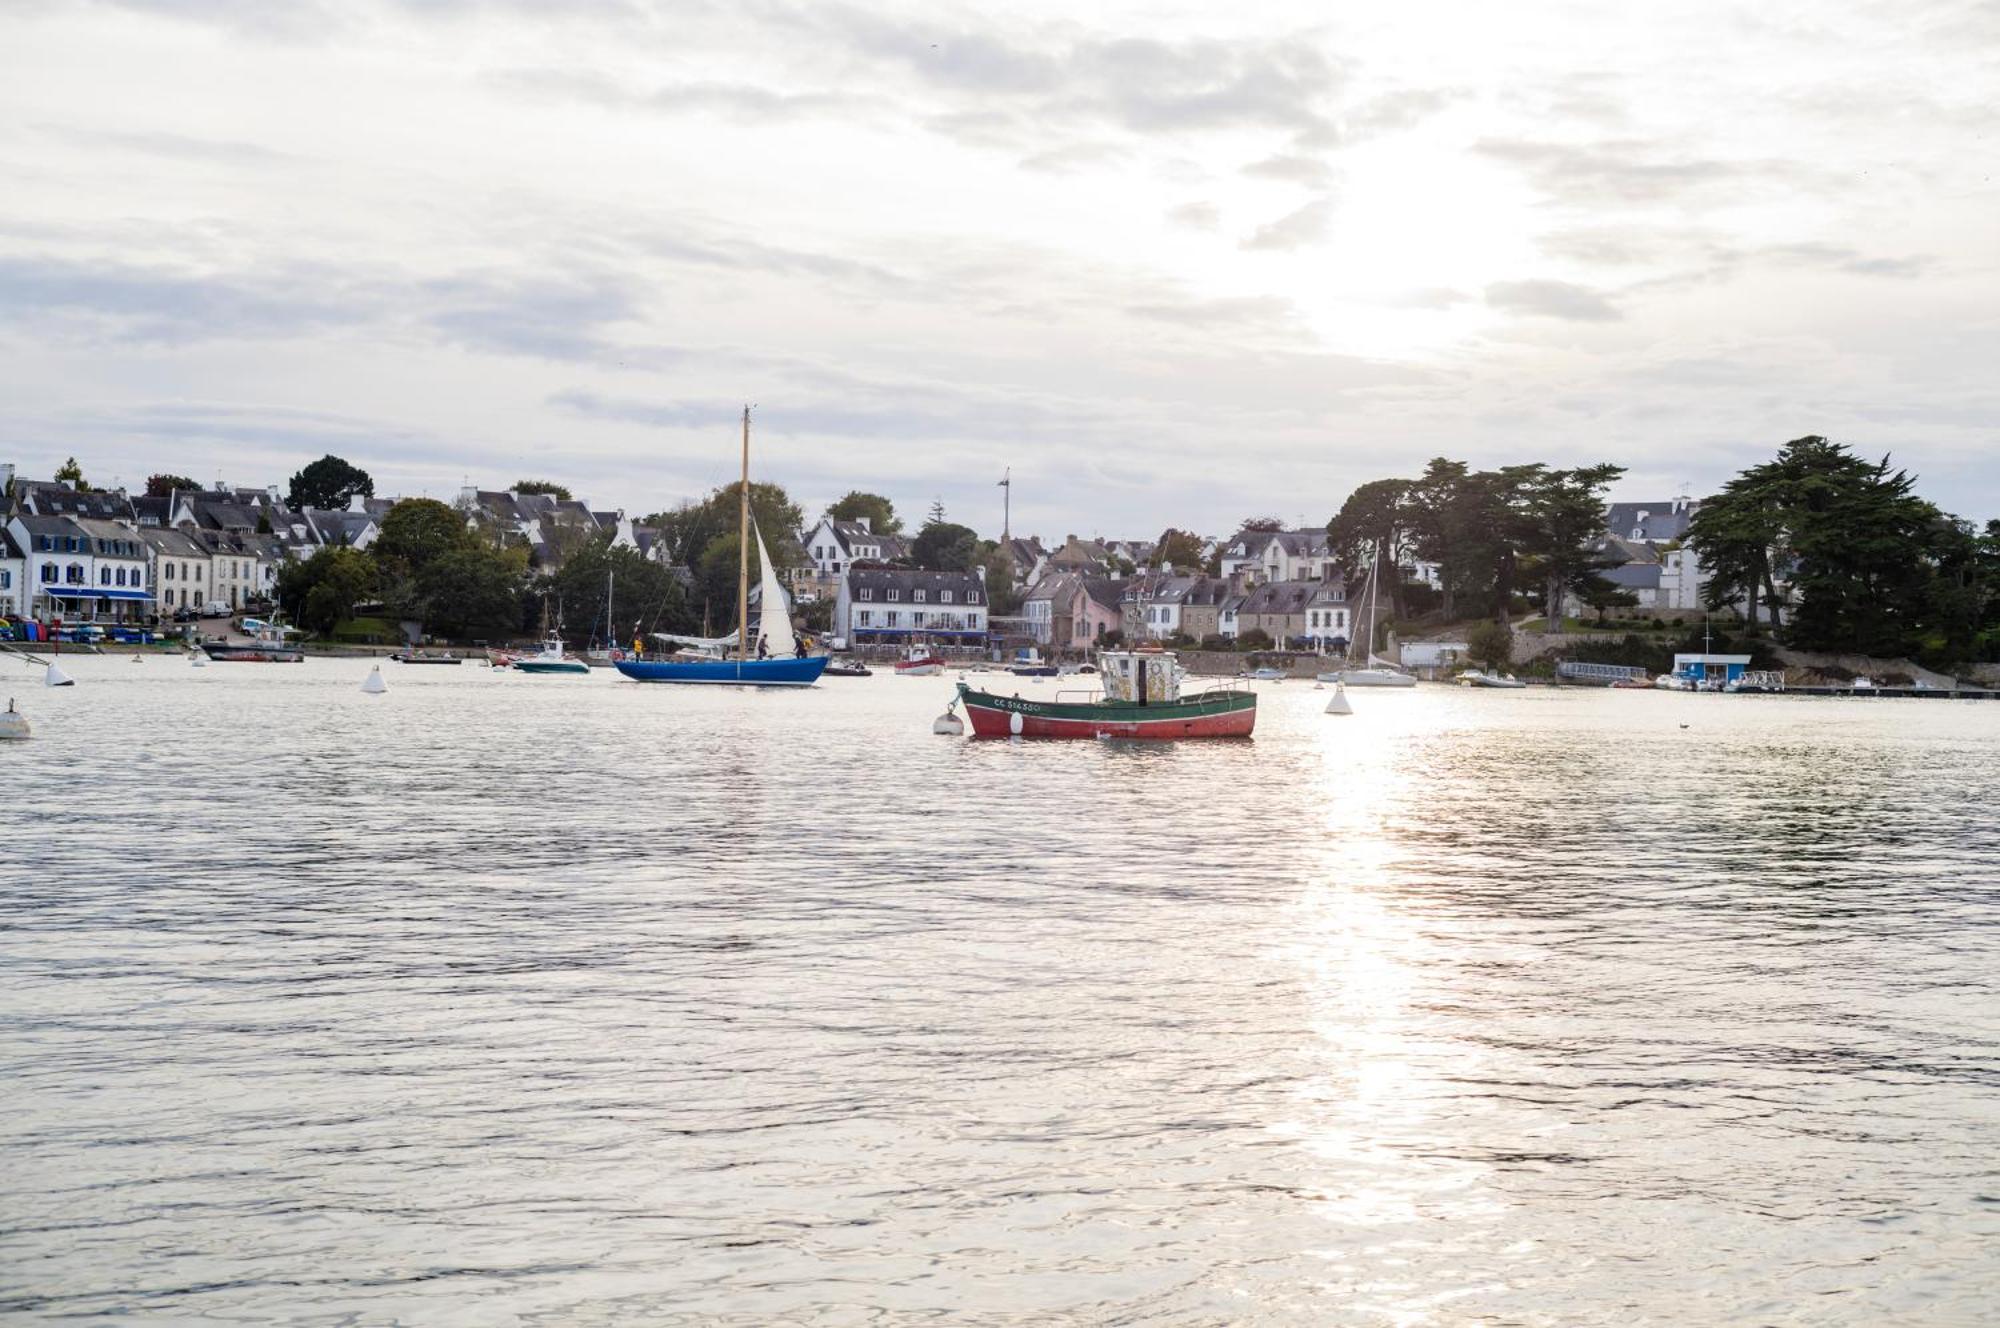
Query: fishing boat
[[919, 662], [1140, 698], [780, 662], [552, 658], [268, 644]]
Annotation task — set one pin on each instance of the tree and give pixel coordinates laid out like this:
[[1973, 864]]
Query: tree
[[418, 531], [942, 546], [1368, 532], [321, 591], [164, 486], [329, 483], [997, 565], [1264, 524], [645, 597], [1565, 518], [1179, 548], [471, 590], [936, 517], [878, 511], [703, 538], [72, 474], [549, 487], [1490, 643]]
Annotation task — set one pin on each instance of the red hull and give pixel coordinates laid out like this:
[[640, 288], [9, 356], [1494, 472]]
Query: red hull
[[988, 723]]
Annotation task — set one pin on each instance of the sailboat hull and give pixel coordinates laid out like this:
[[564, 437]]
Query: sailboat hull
[[791, 672]]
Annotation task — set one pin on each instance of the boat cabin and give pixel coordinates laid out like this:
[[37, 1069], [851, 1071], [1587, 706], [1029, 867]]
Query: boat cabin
[[1705, 670], [1142, 677]]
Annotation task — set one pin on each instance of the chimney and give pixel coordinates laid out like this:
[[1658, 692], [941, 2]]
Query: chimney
[[356, 503]]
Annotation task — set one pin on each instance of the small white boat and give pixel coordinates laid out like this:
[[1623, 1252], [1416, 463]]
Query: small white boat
[[1479, 679], [1376, 675], [919, 662], [551, 659], [1267, 674]]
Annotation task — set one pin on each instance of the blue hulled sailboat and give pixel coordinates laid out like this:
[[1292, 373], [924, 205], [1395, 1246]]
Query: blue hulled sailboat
[[774, 625]]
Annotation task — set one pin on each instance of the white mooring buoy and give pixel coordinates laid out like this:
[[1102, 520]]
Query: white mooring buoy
[[375, 685], [53, 676], [1337, 703], [198, 659], [13, 724], [948, 724], [1015, 723]]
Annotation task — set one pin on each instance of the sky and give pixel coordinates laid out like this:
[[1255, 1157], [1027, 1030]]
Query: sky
[[1170, 264]]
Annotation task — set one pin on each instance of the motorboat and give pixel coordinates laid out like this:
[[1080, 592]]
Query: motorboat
[[1377, 674], [1140, 698], [552, 658], [1267, 674], [1476, 678], [1028, 663], [846, 668], [269, 643], [919, 662], [426, 657]]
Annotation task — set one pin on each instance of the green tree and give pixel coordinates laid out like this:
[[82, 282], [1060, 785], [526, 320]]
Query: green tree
[[321, 591], [943, 546], [1178, 547], [163, 485], [549, 487], [329, 483], [879, 512], [1263, 524], [1002, 598], [418, 531], [471, 590], [1564, 519], [1370, 527], [1490, 643], [644, 596], [703, 538], [72, 473]]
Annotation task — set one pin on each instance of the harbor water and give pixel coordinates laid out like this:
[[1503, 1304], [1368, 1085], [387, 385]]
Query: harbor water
[[508, 1000]]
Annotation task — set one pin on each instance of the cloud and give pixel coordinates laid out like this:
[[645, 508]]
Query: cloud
[[1627, 171], [1296, 229], [1249, 311], [125, 303], [1202, 216], [1431, 297], [1552, 299], [157, 143], [1297, 169]]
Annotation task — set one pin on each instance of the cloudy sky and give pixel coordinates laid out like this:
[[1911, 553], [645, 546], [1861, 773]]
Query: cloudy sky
[[1172, 263]]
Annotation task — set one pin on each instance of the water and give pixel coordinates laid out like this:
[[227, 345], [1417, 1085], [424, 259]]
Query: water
[[507, 1000]]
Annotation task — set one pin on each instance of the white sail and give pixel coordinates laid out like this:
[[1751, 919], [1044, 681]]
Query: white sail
[[774, 623]]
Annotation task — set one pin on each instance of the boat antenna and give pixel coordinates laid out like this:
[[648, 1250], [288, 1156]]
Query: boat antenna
[[743, 549]]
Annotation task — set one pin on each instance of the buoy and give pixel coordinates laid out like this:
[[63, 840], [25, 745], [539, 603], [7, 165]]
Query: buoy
[[13, 724], [1015, 723], [138, 659], [948, 724], [375, 685], [53, 676], [198, 659], [1337, 704]]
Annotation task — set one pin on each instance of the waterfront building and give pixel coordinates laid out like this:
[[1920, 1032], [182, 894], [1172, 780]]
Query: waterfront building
[[833, 546], [13, 577], [80, 568], [1276, 608], [178, 564], [1267, 556], [1330, 616], [1201, 607], [889, 605], [1228, 611]]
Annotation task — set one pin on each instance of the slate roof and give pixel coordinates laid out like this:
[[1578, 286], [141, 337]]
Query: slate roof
[[1653, 521], [51, 498], [966, 587], [167, 541], [1634, 576], [1285, 597]]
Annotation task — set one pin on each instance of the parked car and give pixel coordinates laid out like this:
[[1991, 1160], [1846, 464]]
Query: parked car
[[216, 608]]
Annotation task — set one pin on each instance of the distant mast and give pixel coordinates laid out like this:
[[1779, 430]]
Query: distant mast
[[743, 550], [1007, 506]]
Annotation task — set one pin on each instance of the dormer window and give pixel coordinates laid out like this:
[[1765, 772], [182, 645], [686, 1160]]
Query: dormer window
[[895, 594], [944, 597], [920, 596], [867, 592]]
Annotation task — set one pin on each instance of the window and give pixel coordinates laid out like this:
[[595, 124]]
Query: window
[[867, 617], [917, 619], [894, 594], [118, 577], [944, 597], [166, 571], [971, 597], [73, 574], [920, 596], [867, 592], [45, 543], [894, 617], [6, 580], [49, 576], [197, 571]]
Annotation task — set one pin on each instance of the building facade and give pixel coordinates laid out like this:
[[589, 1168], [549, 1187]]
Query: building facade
[[889, 605]]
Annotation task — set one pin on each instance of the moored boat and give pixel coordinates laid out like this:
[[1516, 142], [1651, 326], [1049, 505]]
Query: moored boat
[[919, 662], [780, 661], [1376, 675], [1140, 699], [552, 658], [1477, 679], [846, 668], [425, 657], [268, 645], [1028, 663]]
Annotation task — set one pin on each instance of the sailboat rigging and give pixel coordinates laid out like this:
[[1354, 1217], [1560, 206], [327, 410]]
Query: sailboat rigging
[[765, 658]]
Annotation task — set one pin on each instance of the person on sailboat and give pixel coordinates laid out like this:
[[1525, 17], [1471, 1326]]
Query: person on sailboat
[[763, 647]]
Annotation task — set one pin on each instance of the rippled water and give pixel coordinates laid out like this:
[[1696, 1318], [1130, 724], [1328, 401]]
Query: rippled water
[[508, 1000]]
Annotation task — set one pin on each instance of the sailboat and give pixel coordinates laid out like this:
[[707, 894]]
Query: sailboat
[[1379, 672], [781, 667]]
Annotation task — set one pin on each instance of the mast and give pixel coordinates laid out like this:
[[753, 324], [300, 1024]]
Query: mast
[[610, 623], [1007, 506], [743, 550]]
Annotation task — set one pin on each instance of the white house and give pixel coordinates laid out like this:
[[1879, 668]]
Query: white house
[[833, 546], [878, 605], [80, 568], [1329, 615], [179, 567], [13, 577], [1266, 556]]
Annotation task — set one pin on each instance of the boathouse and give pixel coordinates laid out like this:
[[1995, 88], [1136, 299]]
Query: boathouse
[[1701, 668]]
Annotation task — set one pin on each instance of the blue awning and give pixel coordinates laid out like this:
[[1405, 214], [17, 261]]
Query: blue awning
[[98, 592]]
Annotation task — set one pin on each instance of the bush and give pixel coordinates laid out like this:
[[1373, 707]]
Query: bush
[[1217, 642], [1254, 639], [1490, 643]]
